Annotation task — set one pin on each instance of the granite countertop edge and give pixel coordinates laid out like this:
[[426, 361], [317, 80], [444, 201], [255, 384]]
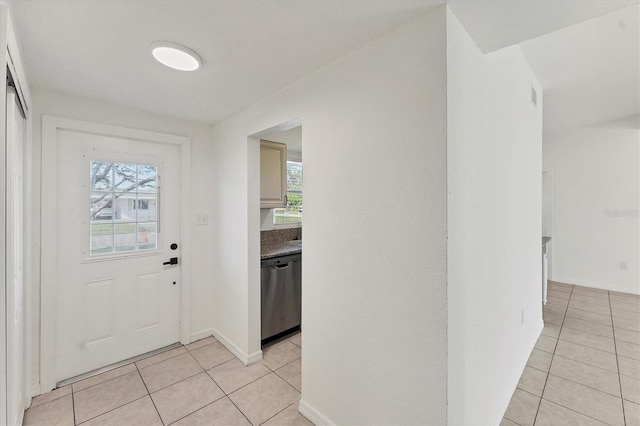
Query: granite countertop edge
[[284, 248]]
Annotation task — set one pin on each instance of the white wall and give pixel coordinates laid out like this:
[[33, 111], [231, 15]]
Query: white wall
[[596, 183], [374, 270], [494, 225], [50, 103]]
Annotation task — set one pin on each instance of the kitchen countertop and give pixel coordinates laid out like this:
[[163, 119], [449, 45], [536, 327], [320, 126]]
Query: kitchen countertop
[[283, 248], [545, 240]]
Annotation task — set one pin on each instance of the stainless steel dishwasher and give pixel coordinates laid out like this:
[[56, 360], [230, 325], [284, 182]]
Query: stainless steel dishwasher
[[281, 295]]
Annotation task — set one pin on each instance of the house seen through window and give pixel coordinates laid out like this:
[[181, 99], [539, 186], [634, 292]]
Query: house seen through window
[[292, 213], [123, 208]]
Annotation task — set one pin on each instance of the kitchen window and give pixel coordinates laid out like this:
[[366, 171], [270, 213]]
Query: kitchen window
[[292, 213]]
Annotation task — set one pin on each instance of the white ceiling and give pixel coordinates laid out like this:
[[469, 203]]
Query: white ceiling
[[251, 48], [590, 71]]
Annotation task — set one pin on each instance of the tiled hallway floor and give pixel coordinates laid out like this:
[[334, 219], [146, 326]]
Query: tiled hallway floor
[[585, 367], [198, 384]]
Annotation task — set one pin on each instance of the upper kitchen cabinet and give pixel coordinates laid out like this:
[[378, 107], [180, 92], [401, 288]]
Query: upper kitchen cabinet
[[273, 174]]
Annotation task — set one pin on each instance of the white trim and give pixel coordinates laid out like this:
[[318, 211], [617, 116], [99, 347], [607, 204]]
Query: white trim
[[247, 359], [593, 284], [313, 415], [50, 126], [198, 335]]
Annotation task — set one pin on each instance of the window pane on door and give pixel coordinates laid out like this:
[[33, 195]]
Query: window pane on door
[[123, 213], [101, 239]]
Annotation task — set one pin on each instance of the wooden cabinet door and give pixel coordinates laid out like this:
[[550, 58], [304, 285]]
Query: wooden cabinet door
[[273, 174]]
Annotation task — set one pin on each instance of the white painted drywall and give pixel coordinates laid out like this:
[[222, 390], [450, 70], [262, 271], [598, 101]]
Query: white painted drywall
[[51, 103], [374, 269], [596, 182], [494, 225]]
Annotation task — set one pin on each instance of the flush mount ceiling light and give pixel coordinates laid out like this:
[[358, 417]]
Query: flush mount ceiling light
[[175, 56]]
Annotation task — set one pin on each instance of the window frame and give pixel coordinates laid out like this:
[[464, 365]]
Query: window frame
[[93, 156], [297, 224]]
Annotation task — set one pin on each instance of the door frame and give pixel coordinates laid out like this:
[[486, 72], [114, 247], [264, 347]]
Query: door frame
[[48, 267]]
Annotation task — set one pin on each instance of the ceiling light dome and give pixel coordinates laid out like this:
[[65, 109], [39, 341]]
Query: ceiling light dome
[[175, 56]]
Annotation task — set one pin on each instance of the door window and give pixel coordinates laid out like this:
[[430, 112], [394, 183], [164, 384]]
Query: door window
[[123, 207]]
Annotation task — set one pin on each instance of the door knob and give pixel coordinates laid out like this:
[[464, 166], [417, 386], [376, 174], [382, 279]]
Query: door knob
[[172, 261]]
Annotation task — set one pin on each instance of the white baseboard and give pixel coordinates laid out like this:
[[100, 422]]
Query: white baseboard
[[313, 415], [601, 286], [200, 334], [35, 389], [254, 357], [247, 359]]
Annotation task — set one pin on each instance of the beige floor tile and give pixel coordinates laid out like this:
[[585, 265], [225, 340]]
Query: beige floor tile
[[582, 306], [52, 413], [279, 354], [288, 417], [601, 299], [630, 389], [232, 375], [587, 339], [561, 284], [627, 335], [296, 340], [551, 414], [522, 408], [161, 357], [546, 343], [222, 412], [558, 302], [595, 357], [619, 313], [631, 413], [551, 330], [185, 397], [589, 300], [507, 422], [200, 343], [589, 327], [624, 306], [292, 374], [555, 310], [264, 398], [138, 412], [627, 324], [629, 367], [103, 377], [211, 355], [590, 402], [590, 290], [553, 319], [588, 375], [559, 287], [630, 296], [50, 396], [628, 350], [532, 381], [540, 360], [589, 316], [106, 396], [170, 371], [558, 294]]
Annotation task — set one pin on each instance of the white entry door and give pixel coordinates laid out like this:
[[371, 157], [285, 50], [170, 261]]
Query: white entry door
[[117, 225]]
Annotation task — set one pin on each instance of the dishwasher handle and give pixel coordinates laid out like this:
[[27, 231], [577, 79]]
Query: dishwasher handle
[[280, 267]]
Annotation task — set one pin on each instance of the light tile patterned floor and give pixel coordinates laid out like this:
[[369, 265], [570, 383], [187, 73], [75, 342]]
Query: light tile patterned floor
[[585, 367], [198, 384]]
